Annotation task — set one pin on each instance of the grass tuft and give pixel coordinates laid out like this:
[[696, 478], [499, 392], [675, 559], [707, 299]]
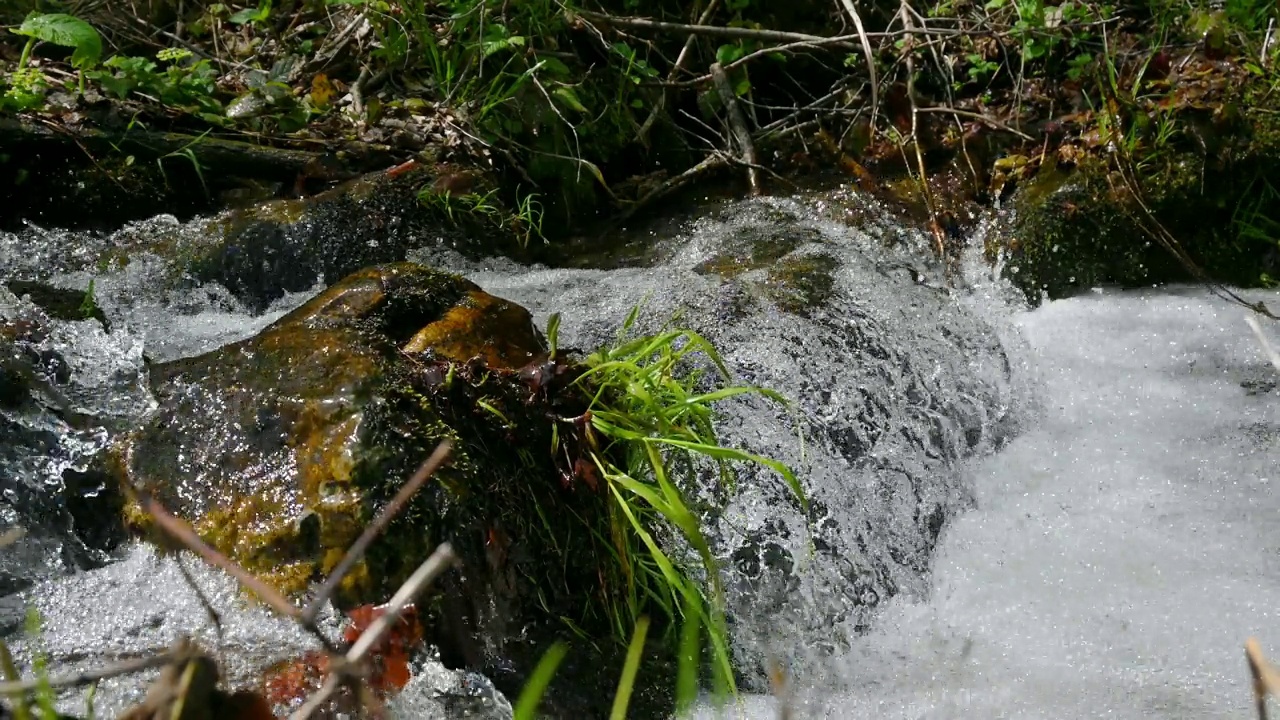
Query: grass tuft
[[651, 425]]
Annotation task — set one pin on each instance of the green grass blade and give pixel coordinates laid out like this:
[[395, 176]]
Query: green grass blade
[[723, 453], [539, 681], [19, 706], [688, 660], [629, 669]]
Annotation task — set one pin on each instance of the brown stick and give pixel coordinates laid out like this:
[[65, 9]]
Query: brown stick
[[87, 677], [361, 545], [182, 532], [346, 669], [659, 106], [1266, 681], [737, 125], [980, 118], [707, 30], [870, 58], [739, 33]]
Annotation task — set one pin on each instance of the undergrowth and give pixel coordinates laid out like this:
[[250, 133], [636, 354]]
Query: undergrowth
[[653, 421]]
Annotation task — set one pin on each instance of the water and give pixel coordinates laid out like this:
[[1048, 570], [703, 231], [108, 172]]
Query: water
[[1120, 551], [1100, 471]]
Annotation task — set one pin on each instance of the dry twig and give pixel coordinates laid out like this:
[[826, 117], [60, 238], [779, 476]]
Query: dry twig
[[737, 126], [685, 51], [347, 670], [869, 57], [1266, 680], [87, 677], [375, 528]]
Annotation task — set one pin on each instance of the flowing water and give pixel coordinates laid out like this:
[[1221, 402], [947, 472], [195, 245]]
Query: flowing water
[[1063, 512]]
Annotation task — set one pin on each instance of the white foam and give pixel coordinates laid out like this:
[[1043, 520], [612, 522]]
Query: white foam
[[1121, 550]]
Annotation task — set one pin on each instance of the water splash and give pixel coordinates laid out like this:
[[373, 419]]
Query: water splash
[[896, 381]]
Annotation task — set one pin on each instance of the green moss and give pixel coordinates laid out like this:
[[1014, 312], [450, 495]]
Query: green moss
[[759, 252], [801, 283]]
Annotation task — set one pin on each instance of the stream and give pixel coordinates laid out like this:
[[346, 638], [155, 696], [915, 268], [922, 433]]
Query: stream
[[1059, 512]]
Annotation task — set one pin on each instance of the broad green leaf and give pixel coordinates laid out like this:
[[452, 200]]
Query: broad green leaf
[[726, 54], [67, 31]]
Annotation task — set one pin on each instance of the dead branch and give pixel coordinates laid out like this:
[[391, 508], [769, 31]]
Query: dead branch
[[361, 545], [1266, 680], [714, 160], [869, 57], [980, 118], [734, 33], [908, 53], [739, 33], [186, 536], [1262, 339], [87, 677], [659, 106], [347, 671], [737, 125]]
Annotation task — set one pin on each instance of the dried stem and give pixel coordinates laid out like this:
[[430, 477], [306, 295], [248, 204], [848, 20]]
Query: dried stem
[[361, 545], [685, 51], [741, 33], [88, 677], [347, 670], [182, 532], [1266, 345], [737, 125], [1266, 681], [869, 57]]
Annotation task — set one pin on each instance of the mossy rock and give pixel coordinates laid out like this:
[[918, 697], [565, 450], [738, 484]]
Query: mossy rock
[[279, 450], [265, 250], [1207, 169], [1068, 232]]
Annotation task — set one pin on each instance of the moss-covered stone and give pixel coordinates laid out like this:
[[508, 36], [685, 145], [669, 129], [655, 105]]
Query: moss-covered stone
[[1201, 163], [280, 449], [800, 283]]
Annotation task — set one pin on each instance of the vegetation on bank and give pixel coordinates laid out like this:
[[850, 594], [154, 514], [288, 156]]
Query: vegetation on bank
[[580, 109]]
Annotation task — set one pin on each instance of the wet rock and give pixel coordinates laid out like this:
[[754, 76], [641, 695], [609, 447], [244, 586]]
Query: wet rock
[[60, 303], [1191, 180], [264, 251], [280, 448], [894, 382], [49, 436]]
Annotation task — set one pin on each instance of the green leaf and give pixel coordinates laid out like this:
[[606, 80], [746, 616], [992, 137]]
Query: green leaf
[[67, 31], [566, 95], [726, 54], [252, 15], [553, 332]]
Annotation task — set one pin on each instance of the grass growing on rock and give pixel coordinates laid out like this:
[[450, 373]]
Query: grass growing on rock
[[651, 422]]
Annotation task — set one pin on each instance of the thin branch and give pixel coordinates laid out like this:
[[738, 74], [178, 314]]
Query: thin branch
[[870, 59], [1262, 339], [711, 161], [742, 33], [343, 672], [87, 677], [361, 545], [737, 125], [735, 33], [1266, 681], [979, 117], [659, 106]]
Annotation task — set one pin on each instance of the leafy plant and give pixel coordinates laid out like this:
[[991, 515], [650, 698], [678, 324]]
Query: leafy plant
[[654, 424], [26, 84], [64, 30], [181, 83]]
